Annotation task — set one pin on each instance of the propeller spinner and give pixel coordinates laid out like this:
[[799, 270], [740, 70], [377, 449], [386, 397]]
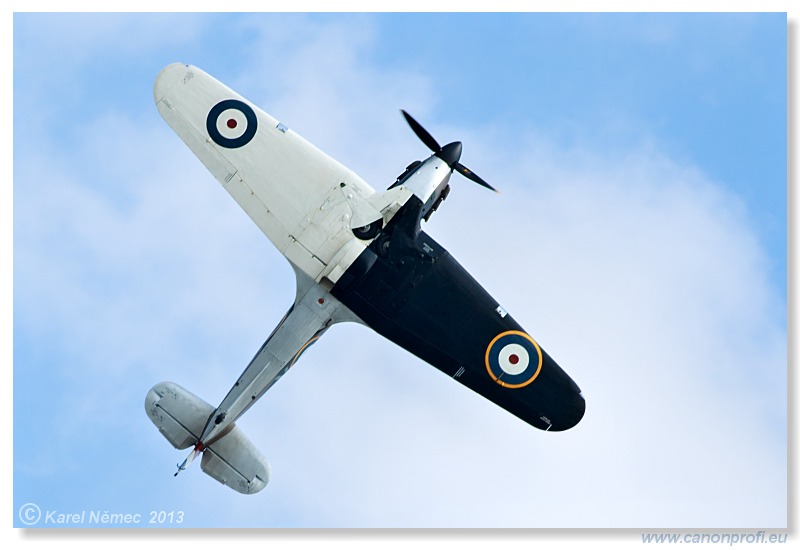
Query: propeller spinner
[[450, 153]]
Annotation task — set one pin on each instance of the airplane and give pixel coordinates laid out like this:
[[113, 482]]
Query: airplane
[[359, 255]]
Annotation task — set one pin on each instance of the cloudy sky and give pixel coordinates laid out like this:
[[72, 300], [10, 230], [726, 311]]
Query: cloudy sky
[[639, 236]]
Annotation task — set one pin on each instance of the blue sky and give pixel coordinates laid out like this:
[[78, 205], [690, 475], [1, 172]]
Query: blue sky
[[640, 236]]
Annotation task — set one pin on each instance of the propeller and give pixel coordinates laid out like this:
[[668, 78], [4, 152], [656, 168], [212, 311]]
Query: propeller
[[450, 153]]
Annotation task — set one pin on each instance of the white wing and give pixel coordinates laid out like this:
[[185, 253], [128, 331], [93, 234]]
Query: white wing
[[301, 198]]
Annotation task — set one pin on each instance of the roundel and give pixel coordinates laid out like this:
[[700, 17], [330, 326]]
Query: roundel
[[513, 359], [231, 123]]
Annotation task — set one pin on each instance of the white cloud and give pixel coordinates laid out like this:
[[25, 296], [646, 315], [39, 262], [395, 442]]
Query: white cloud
[[643, 281], [641, 276]]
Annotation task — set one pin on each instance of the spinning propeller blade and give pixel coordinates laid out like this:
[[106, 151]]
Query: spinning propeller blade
[[422, 133], [469, 174], [450, 153]]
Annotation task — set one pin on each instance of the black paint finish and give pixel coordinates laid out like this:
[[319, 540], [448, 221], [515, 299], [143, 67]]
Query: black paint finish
[[412, 291]]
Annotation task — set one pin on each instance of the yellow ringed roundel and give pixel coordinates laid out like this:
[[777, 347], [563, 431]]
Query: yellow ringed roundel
[[513, 359]]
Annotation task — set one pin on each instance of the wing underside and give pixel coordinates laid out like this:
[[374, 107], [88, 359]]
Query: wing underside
[[301, 198], [403, 284], [413, 292]]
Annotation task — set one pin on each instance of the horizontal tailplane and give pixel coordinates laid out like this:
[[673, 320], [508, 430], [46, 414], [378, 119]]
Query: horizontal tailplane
[[231, 459]]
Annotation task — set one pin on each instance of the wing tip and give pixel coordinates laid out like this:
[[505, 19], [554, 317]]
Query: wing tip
[[577, 410], [168, 77]]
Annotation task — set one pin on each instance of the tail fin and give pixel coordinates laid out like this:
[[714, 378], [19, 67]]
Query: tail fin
[[231, 459]]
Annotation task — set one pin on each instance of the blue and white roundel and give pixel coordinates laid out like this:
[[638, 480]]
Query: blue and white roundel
[[231, 123], [513, 359]]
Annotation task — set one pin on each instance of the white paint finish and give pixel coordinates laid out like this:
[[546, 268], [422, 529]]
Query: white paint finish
[[427, 178], [231, 123], [278, 178], [513, 359], [343, 259], [363, 213], [390, 201], [232, 459], [177, 413]]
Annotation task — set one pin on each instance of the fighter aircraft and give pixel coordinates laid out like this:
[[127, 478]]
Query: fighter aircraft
[[359, 255]]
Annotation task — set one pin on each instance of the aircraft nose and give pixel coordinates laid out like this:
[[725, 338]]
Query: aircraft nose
[[450, 153]]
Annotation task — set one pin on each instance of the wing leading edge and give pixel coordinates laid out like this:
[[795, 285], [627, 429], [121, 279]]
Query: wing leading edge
[[408, 288], [302, 199], [358, 256]]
